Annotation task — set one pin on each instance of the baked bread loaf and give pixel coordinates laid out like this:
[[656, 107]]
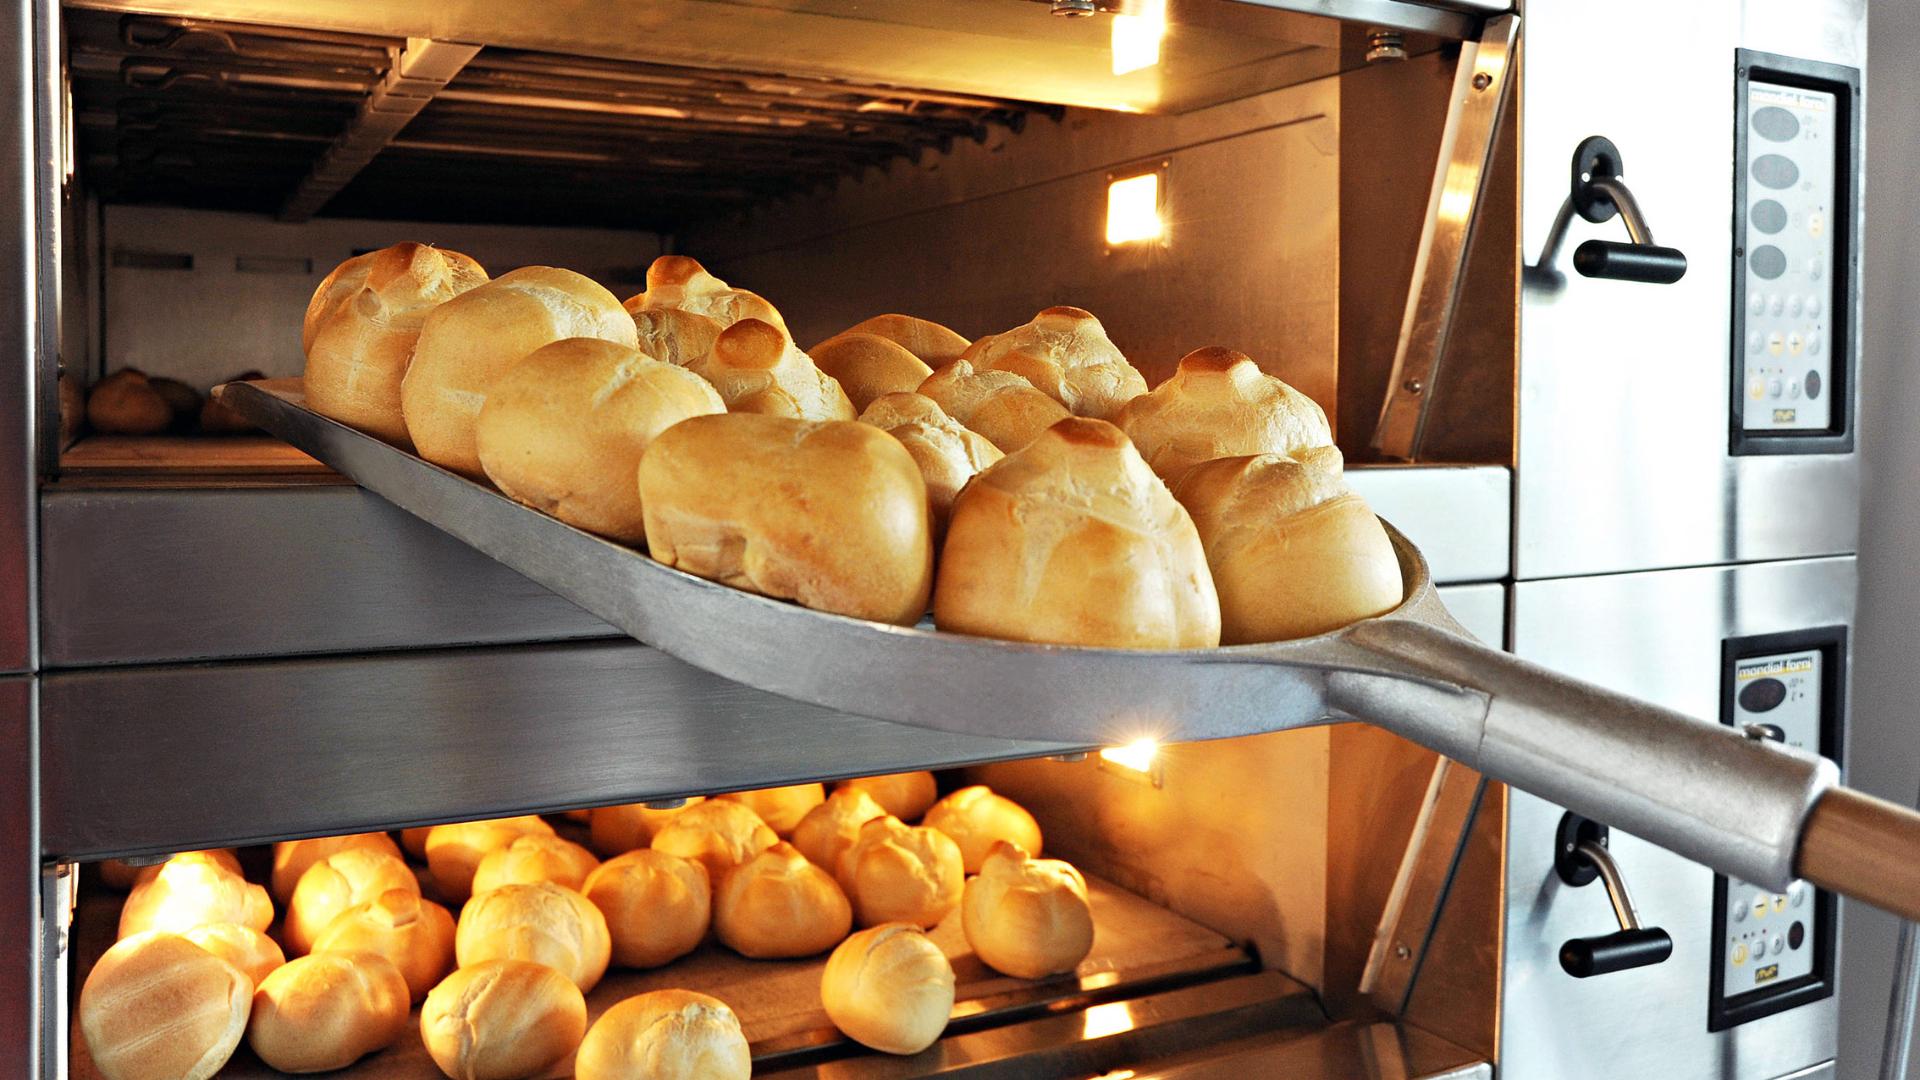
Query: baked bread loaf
[[948, 454], [1027, 917], [254, 953], [657, 906], [1294, 551], [1217, 404], [192, 890], [454, 851], [616, 830], [415, 934], [932, 343], [502, 1020], [562, 430], [867, 366], [361, 346], [1074, 541], [718, 834], [292, 857], [777, 905], [534, 857], [890, 988], [327, 1011], [896, 872], [830, 829], [158, 1007], [975, 818], [1065, 353], [671, 335], [758, 369], [469, 341], [542, 922], [905, 795], [338, 882], [125, 403], [665, 1035], [833, 515], [676, 281], [1003, 407], [781, 807], [341, 284]]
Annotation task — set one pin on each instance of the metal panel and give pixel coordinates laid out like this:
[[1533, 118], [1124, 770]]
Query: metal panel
[[27, 186], [1356, 1051], [20, 941], [1658, 635], [1458, 515]]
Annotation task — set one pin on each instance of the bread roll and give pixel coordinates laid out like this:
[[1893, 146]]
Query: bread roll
[[757, 369], [1294, 551], [1074, 541], [932, 343], [1220, 404], [158, 1007], [360, 348], [976, 819], [73, 408], [948, 454], [665, 1035], [676, 281], [833, 515], [896, 872], [1027, 917], [341, 284], [469, 341], [254, 953], [218, 418], [830, 829], [905, 795], [542, 922], [123, 875], [188, 891], [671, 335], [535, 857], [657, 906], [562, 430], [777, 905], [1003, 407], [327, 1011], [125, 403], [336, 883], [890, 988], [868, 366], [414, 841], [718, 834], [616, 830], [1065, 353], [781, 807], [454, 851], [184, 400], [292, 857], [502, 1020], [415, 934]]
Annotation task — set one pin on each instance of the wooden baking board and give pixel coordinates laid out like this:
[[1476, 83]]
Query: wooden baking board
[[186, 455]]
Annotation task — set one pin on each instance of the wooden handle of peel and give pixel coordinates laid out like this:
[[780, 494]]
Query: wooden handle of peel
[[1864, 848]]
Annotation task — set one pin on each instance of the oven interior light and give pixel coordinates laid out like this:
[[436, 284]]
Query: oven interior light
[[1133, 209], [1137, 33], [1137, 755]]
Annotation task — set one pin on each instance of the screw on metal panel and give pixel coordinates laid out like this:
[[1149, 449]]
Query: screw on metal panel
[[1413, 386], [1381, 45], [666, 804], [1482, 80], [1071, 758], [1401, 952], [1073, 9]]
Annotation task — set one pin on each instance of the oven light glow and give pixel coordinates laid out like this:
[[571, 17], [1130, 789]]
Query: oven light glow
[[1133, 209], [1110, 1019], [1137, 34], [1137, 755]]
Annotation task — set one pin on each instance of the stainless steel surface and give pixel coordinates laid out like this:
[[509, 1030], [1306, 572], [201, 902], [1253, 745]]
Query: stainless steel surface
[[27, 187], [1476, 103], [1457, 515], [1481, 610], [1616, 885], [1440, 833], [1658, 634], [1350, 1051], [23, 998], [1896, 1048]]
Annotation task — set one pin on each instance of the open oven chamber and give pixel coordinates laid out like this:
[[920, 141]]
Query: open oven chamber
[[221, 642]]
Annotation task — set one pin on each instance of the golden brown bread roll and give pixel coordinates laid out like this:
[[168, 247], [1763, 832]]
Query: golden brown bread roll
[[657, 906], [338, 882], [542, 922], [1003, 407], [833, 515], [616, 830], [454, 851], [1027, 917], [292, 857], [781, 807], [414, 841], [359, 348], [868, 366], [341, 284], [948, 454], [158, 1007], [778, 905], [534, 857], [1220, 404], [905, 795], [184, 400], [672, 335], [415, 934], [975, 818], [665, 1035], [254, 953], [1065, 353], [125, 403], [469, 341], [124, 875], [932, 343], [896, 872], [191, 890], [757, 369], [676, 281], [890, 988], [1294, 551], [73, 408], [502, 1020], [1074, 541], [563, 429], [830, 829], [327, 1011], [718, 834]]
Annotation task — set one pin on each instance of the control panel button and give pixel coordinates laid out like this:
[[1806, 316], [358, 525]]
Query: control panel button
[[1795, 343], [1739, 911], [1797, 894], [1757, 387], [1759, 904], [1813, 343], [1776, 171], [1814, 306], [1793, 389], [1775, 123], [1768, 262], [1778, 945], [1796, 936], [1757, 304], [1756, 341], [1776, 342], [1759, 950], [1739, 953], [1774, 388], [1768, 216], [1816, 268], [1813, 384], [1776, 303]]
